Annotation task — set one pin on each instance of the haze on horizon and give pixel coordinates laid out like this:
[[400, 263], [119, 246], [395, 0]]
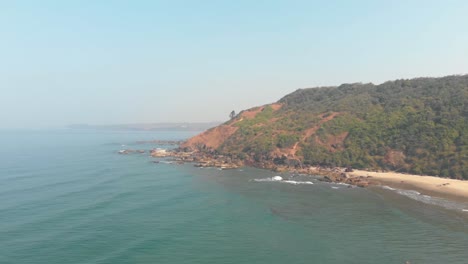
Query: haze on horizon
[[116, 62]]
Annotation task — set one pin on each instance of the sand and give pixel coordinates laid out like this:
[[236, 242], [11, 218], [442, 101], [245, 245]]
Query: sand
[[429, 185]]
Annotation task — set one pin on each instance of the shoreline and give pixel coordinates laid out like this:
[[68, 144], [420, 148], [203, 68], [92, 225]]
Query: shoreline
[[451, 189]]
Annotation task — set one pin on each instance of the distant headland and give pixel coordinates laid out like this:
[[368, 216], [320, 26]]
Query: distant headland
[[150, 126]]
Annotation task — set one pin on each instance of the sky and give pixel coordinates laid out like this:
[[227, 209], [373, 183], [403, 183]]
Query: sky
[[117, 62]]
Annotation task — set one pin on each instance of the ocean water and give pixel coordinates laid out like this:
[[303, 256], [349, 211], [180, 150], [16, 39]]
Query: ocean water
[[68, 197]]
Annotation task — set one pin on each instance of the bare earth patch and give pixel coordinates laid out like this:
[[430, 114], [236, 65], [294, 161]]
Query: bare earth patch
[[212, 138], [252, 113], [276, 106], [333, 143], [309, 132], [395, 158]]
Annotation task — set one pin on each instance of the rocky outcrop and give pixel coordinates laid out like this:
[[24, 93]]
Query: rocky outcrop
[[360, 181], [201, 159], [130, 151]]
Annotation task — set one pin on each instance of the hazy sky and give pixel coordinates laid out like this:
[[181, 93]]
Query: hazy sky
[[106, 62]]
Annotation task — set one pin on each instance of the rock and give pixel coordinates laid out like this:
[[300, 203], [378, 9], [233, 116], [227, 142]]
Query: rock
[[129, 151], [327, 179], [343, 177], [159, 153], [126, 151], [362, 184]]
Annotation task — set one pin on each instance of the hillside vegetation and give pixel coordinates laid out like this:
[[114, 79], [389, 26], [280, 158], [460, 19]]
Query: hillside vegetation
[[417, 126]]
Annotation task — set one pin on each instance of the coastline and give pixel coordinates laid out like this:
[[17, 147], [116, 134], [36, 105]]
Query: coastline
[[451, 189]]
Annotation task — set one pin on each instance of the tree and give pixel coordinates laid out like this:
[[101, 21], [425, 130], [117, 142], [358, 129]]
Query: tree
[[232, 114]]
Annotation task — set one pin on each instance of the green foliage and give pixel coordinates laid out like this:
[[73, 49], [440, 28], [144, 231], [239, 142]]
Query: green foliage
[[424, 121], [286, 140]]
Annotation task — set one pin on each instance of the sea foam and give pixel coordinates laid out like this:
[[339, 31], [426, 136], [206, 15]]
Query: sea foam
[[280, 179], [298, 182], [415, 195]]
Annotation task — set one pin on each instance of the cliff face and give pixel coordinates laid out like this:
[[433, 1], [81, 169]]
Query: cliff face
[[419, 126], [212, 138]]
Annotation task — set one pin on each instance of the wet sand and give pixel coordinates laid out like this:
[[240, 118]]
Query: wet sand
[[429, 185]]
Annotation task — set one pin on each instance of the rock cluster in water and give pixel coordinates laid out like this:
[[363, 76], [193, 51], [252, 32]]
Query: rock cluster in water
[[201, 159], [130, 151], [205, 159]]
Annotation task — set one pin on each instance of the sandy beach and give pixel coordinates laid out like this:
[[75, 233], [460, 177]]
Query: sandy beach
[[429, 185]]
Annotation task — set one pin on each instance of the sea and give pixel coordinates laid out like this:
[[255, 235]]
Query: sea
[[67, 196]]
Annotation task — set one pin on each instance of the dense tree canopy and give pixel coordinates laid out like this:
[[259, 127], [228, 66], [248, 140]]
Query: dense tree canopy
[[418, 126]]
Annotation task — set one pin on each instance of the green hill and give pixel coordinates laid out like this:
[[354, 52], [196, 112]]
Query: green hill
[[418, 126]]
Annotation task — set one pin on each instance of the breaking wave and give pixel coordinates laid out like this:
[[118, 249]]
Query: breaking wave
[[298, 182], [388, 188], [277, 179], [415, 195]]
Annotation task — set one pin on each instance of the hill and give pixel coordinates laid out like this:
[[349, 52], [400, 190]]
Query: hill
[[417, 126]]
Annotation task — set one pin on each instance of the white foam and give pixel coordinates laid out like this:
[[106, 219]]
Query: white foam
[[409, 193], [280, 180], [334, 187], [277, 178], [342, 183], [298, 182], [429, 199], [263, 180]]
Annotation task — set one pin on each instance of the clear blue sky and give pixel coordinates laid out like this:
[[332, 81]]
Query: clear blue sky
[[108, 62]]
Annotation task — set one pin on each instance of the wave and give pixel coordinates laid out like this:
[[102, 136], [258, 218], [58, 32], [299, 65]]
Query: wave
[[264, 180], [415, 195], [388, 188], [342, 183], [280, 180], [298, 182]]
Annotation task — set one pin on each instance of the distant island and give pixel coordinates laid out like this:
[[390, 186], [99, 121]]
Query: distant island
[[150, 126], [417, 126]]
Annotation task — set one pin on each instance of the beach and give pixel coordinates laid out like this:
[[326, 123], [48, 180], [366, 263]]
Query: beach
[[429, 185]]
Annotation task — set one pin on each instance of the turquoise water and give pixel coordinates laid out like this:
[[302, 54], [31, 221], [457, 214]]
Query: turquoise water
[[67, 197]]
